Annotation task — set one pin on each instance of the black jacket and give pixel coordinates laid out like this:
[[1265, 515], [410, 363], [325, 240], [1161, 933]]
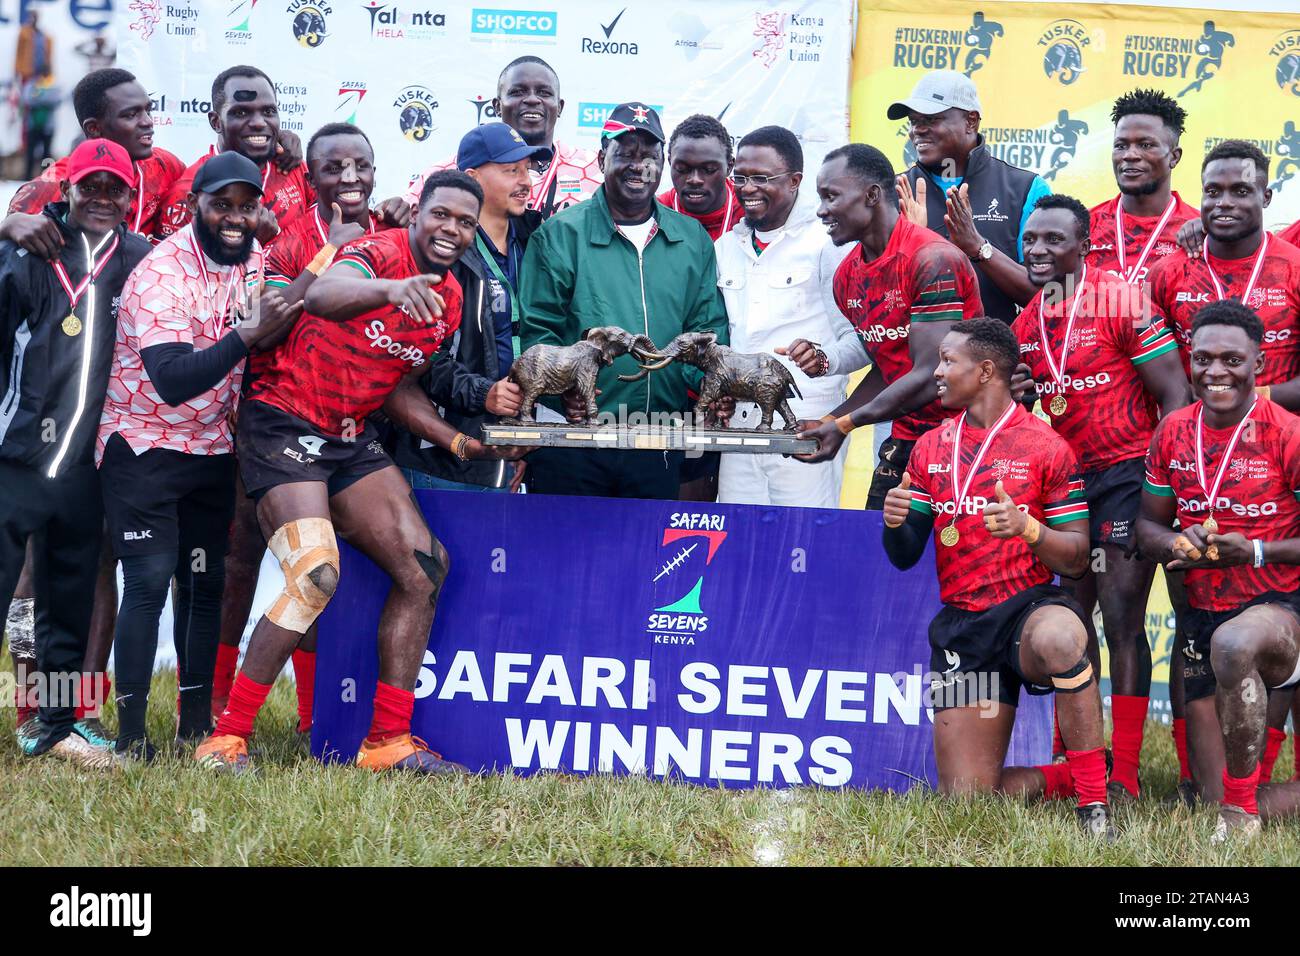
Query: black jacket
[[466, 367], [997, 192], [47, 419]]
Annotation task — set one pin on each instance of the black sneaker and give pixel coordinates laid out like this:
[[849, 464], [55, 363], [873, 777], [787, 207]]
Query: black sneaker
[[1095, 820], [138, 751]]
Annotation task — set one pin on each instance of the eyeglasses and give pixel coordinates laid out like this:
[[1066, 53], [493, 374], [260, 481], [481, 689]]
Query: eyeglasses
[[740, 182]]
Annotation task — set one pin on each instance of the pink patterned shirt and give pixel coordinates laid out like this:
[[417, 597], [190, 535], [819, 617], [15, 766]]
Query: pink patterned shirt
[[177, 294]]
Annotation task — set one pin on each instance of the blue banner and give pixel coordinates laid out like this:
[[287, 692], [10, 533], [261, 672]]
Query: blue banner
[[727, 644]]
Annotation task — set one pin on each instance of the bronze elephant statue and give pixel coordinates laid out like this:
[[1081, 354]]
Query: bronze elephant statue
[[554, 369], [758, 378]]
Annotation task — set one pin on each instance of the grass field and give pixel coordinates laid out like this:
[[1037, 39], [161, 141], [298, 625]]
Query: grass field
[[294, 811]]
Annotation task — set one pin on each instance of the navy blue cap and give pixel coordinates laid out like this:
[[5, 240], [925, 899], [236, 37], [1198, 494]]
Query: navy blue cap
[[226, 168], [495, 143]]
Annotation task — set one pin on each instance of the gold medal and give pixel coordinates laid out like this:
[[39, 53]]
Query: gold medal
[[949, 536], [1210, 526], [71, 325], [1058, 405]]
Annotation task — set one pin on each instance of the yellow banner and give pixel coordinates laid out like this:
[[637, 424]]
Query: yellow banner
[[1048, 74]]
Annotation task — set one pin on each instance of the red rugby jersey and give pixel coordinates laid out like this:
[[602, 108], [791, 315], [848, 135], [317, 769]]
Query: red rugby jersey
[[716, 223], [1257, 497], [155, 178], [920, 277], [288, 195], [295, 247], [1109, 415], [334, 374], [1291, 233], [1180, 287], [1039, 472], [1138, 230]]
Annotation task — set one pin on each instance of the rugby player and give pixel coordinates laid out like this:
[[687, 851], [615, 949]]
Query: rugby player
[[1130, 232], [1227, 468], [528, 100], [700, 160], [314, 463], [341, 172], [997, 489], [1104, 372], [1139, 227], [902, 289], [112, 105], [1240, 261], [245, 116]]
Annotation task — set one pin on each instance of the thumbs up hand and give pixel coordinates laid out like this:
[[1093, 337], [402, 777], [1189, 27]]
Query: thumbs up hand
[[1001, 516], [898, 502]]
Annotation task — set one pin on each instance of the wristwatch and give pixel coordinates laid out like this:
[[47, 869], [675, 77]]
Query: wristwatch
[[984, 253]]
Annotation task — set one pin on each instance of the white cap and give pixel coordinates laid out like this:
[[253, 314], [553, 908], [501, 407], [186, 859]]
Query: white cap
[[936, 92]]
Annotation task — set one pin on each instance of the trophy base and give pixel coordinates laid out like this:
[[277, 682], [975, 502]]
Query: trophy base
[[647, 437]]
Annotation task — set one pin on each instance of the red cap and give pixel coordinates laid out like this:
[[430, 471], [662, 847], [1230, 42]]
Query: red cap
[[100, 156]]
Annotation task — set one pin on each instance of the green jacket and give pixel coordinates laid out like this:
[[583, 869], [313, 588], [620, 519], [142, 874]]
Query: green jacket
[[580, 273]]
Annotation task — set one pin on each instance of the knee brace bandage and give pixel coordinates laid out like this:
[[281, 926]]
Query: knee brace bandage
[[1077, 678], [309, 557]]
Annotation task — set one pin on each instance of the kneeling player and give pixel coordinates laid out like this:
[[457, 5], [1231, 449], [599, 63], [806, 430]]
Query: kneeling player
[[315, 465], [1004, 623], [1228, 468]]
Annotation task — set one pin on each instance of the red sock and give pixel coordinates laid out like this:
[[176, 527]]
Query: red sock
[[1128, 716], [1058, 745], [1088, 770], [94, 688], [393, 709], [1272, 746], [1240, 792], [1060, 782], [1180, 745], [246, 699], [224, 674], [304, 675], [25, 710]]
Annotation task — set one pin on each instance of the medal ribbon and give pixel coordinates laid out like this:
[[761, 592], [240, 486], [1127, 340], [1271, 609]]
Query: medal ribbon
[[1058, 372], [1227, 456], [1151, 243], [139, 197], [963, 488], [540, 189], [93, 269], [1254, 272]]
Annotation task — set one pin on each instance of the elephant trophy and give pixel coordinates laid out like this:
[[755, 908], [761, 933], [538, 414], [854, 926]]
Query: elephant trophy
[[554, 369], [753, 377]]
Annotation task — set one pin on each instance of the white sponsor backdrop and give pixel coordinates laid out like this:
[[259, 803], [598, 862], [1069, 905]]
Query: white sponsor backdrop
[[417, 76]]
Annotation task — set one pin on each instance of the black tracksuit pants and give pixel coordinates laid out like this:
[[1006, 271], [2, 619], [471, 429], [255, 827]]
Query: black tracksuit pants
[[65, 518]]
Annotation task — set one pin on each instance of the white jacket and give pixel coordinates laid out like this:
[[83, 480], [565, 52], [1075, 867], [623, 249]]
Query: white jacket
[[787, 294]]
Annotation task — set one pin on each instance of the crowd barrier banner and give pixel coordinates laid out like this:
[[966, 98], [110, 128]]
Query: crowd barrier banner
[[416, 77], [736, 645], [1049, 73]]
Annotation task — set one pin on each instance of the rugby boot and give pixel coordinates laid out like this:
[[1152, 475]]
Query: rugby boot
[[78, 752], [1235, 824], [1095, 820], [405, 752], [94, 733], [227, 753]]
